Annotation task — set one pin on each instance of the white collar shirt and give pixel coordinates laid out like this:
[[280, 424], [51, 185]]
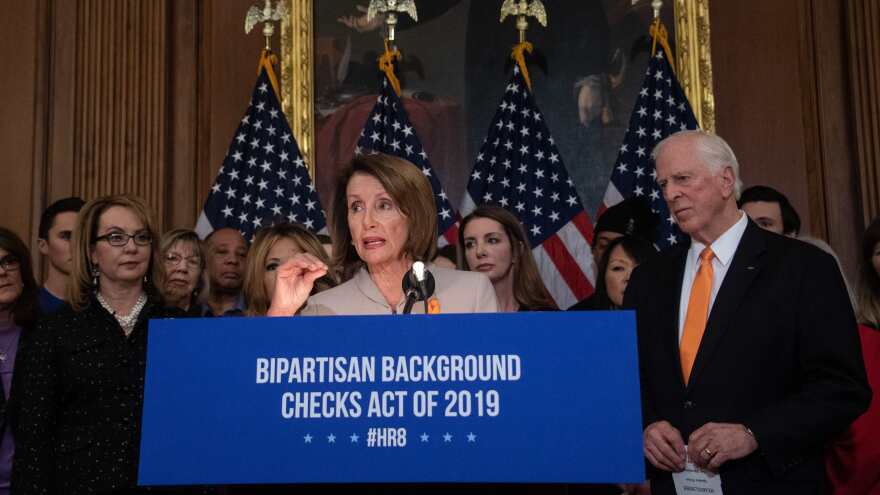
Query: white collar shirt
[[724, 248]]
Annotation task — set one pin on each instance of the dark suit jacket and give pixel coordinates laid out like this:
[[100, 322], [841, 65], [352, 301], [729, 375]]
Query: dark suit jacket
[[81, 397], [780, 355]]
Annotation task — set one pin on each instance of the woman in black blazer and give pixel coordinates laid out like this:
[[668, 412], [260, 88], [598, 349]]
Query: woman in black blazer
[[82, 372]]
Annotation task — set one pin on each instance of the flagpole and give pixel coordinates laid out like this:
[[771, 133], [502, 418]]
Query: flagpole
[[267, 14]]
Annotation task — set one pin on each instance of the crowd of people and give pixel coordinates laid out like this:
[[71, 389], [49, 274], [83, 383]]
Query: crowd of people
[[753, 356]]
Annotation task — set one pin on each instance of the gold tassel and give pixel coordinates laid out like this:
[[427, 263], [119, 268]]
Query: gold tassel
[[519, 56]]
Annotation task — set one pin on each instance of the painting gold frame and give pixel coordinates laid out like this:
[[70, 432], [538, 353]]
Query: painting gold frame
[[692, 45]]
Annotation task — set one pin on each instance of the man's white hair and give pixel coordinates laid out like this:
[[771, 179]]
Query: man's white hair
[[712, 150]]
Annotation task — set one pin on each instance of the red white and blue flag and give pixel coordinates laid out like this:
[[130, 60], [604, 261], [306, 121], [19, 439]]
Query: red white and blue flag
[[661, 109], [264, 179], [519, 168]]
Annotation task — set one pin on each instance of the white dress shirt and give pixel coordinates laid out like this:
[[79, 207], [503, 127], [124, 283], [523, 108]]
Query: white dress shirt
[[724, 248]]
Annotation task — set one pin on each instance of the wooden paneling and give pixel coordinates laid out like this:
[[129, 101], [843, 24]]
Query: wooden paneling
[[20, 25], [862, 21], [782, 101], [120, 107]]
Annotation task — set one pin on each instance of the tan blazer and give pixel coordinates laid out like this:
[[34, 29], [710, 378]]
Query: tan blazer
[[457, 291]]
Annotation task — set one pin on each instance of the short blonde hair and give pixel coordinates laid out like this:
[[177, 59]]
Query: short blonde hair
[[169, 239], [87, 221], [255, 269], [410, 190]]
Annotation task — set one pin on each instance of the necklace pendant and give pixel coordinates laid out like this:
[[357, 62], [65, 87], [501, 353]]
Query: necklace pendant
[[2, 357]]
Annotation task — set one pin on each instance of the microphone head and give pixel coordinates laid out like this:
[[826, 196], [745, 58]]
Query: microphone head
[[418, 269]]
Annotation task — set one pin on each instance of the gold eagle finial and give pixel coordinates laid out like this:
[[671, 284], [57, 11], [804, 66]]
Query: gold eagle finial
[[391, 8], [524, 9], [266, 15]]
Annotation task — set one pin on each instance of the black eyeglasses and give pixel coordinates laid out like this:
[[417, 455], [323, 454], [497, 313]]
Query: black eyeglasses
[[119, 239], [10, 263]]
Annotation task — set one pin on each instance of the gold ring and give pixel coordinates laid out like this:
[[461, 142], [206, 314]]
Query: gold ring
[[707, 453]]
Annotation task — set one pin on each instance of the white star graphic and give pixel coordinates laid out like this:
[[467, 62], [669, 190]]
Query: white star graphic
[[354, 437], [308, 438], [424, 437], [471, 437], [447, 437], [331, 438]]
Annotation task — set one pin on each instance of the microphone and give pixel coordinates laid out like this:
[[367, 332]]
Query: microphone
[[418, 285]]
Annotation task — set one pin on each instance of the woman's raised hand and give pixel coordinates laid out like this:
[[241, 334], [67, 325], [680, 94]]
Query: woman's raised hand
[[293, 283]]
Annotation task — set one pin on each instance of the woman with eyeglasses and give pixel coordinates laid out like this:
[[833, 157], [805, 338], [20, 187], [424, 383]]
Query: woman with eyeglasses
[[18, 315], [83, 372], [179, 277]]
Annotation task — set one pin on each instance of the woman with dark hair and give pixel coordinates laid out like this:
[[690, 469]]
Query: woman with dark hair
[[384, 220], [19, 307], [853, 462], [492, 241], [82, 389], [618, 261]]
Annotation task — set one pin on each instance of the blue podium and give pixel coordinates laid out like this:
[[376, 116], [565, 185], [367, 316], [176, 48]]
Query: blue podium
[[530, 397]]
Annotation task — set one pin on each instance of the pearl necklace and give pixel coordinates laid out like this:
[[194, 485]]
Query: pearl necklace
[[128, 321]]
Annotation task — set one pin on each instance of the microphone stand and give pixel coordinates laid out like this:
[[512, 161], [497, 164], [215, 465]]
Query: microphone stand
[[411, 297]]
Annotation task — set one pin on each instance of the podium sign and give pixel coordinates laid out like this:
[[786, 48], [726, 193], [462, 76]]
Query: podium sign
[[530, 397]]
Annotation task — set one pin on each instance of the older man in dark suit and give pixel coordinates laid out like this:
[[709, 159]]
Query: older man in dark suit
[[748, 345]]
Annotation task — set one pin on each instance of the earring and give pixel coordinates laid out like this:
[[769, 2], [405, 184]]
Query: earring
[[95, 274]]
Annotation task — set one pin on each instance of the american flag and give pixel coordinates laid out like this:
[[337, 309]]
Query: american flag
[[264, 179], [520, 169], [388, 130], [661, 109]]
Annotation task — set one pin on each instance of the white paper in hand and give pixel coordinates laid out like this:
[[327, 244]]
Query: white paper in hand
[[694, 481]]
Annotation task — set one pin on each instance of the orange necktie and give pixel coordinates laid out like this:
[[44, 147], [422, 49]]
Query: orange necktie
[[697, 313]]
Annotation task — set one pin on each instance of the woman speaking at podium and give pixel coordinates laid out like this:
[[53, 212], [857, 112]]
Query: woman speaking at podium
[[384, 221]]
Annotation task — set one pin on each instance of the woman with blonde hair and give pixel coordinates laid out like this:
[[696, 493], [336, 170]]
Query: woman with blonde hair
[[180, 275], [83, 382], [492, 241], [272, 247]]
